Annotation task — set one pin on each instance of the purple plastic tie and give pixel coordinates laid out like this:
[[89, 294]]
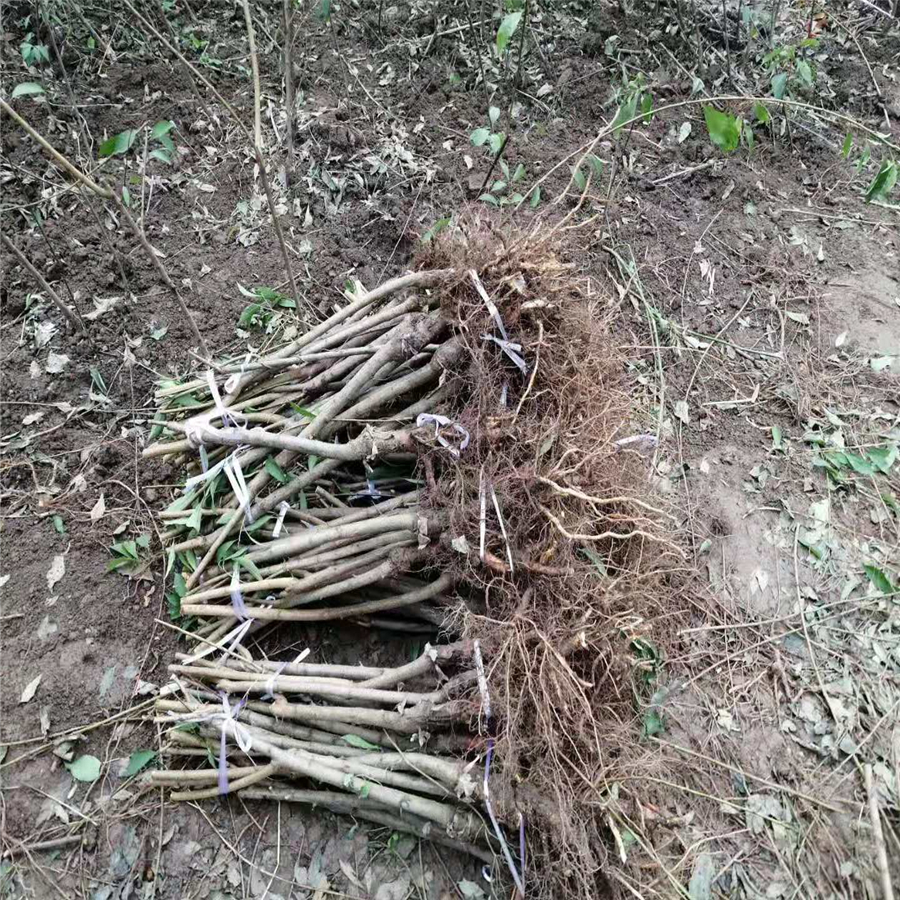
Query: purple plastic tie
[[230, 713]]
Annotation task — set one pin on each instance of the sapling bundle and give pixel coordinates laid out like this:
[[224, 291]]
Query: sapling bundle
[[453, 449], [303, 504], [389, 745]]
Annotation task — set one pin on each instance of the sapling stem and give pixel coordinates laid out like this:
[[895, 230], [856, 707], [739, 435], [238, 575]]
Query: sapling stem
[[257, 151], [54, 154], [288, 10], [254, 65], [160, 268]]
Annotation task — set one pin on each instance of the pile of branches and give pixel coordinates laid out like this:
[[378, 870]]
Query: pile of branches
[[452, 453], [352, 729]]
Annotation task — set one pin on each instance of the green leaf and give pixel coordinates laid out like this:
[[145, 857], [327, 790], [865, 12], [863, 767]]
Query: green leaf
[[507, 29], [653, 723], [596, 165], [761, 114], [85, 768], [161, 155], [879, 579], [724, 129], [261, 522], [137, 761], [519, 174], [354, 740], [777, 440], [479, 136], [493, 115], [126, 548], [805, 72], [173, 604], [26, 88], [625, 113], [535, 197], [162, 128], [496, 142], [364, 789], [59, 524], [120, 143], [126, 197], [272, 467], [884, 181], [883, 458], [195, 520], [303, 411], [489, 198], [168, 143], [324, 10], [250, 566], [859, 465], [848, 143], [435, 230], [579, 179], [779, 84]]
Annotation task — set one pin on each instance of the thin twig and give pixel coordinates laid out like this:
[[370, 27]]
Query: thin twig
[[261, 163], [160, 269], [884, 869], [254, 64], [72, 169], [71, 315], [289, 82]]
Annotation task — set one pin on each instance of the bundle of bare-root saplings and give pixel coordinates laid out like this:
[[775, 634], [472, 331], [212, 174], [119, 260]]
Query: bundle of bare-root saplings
[[447, 454]]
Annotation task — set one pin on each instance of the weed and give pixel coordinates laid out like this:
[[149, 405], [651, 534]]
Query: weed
[[34, 54], [263, 312], [500, 192]]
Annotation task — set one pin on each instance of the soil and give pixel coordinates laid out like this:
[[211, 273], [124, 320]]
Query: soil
[[772, 253]]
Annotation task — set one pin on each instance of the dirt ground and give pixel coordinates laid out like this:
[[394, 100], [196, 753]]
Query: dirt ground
[[759, 311]]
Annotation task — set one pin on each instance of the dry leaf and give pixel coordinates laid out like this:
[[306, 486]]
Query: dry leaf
[[98, 510], [347, 869], [30, 689], [56, 363], [56, 571]]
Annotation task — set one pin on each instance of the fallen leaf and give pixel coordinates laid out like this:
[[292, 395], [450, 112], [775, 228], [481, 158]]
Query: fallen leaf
[[44, 333], [98, 510], [46, 628], [30, 689], [840, 339], [102, 305], [45, 720], [705, 870], [34, 417], [56, 571], [85, 768], [347, 869], [682, 411], [56, 363], [138, 760]]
